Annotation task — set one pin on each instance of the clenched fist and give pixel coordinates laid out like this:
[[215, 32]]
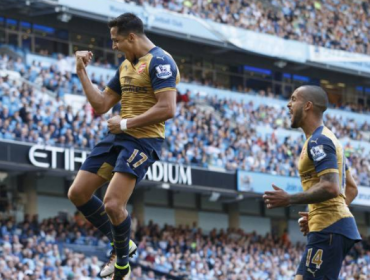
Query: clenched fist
[[83, 58], [303, 223], [114, 125]]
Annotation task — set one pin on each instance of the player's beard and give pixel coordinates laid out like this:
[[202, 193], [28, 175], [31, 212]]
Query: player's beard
[[297, 118]]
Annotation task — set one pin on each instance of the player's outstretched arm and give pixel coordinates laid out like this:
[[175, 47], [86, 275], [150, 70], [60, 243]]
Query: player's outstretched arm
[[351, 188], [100, 101], [327, 188]]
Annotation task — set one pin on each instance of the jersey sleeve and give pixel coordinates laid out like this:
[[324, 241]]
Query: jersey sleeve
[[162, 72], [323, 153], [114, 84]]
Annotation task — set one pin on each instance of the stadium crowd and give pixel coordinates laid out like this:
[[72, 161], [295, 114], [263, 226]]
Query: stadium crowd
[[336, 24], [60, 78], [32, 250], [206, 132], [216, 136]]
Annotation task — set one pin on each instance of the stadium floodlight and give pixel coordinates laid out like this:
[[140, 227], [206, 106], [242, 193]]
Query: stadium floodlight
[[3, 176], [214, 196], [280, 63], [165, 186], [64, 17]]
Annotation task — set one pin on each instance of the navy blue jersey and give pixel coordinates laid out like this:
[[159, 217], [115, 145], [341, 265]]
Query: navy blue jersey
[[322, 153]]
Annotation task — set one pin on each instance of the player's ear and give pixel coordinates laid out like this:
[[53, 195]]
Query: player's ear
[[308, 106], [131, 37]]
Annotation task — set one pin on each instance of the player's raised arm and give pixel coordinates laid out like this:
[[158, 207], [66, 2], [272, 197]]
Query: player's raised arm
[[351, 188], [100, 101]]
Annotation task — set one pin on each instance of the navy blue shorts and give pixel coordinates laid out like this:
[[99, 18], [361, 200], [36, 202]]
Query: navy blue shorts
[[323, 257], [123, 153]]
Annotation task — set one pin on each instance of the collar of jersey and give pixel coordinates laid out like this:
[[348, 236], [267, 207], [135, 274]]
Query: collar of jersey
[[138, 59], [320, 127]]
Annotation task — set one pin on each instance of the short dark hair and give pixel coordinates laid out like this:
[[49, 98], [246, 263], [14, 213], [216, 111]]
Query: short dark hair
[[127, 23], [317, 96]]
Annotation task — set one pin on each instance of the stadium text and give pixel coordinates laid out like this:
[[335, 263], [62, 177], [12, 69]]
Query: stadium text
[[169, 173], [68, 159], [47, 156]]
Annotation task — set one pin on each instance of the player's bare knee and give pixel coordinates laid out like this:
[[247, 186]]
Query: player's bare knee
[[73, 195], [298, 277], [113, 208], [77, 195]]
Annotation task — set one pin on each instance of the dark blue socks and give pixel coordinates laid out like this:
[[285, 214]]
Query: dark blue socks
[[121, 238], [94, 212]]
